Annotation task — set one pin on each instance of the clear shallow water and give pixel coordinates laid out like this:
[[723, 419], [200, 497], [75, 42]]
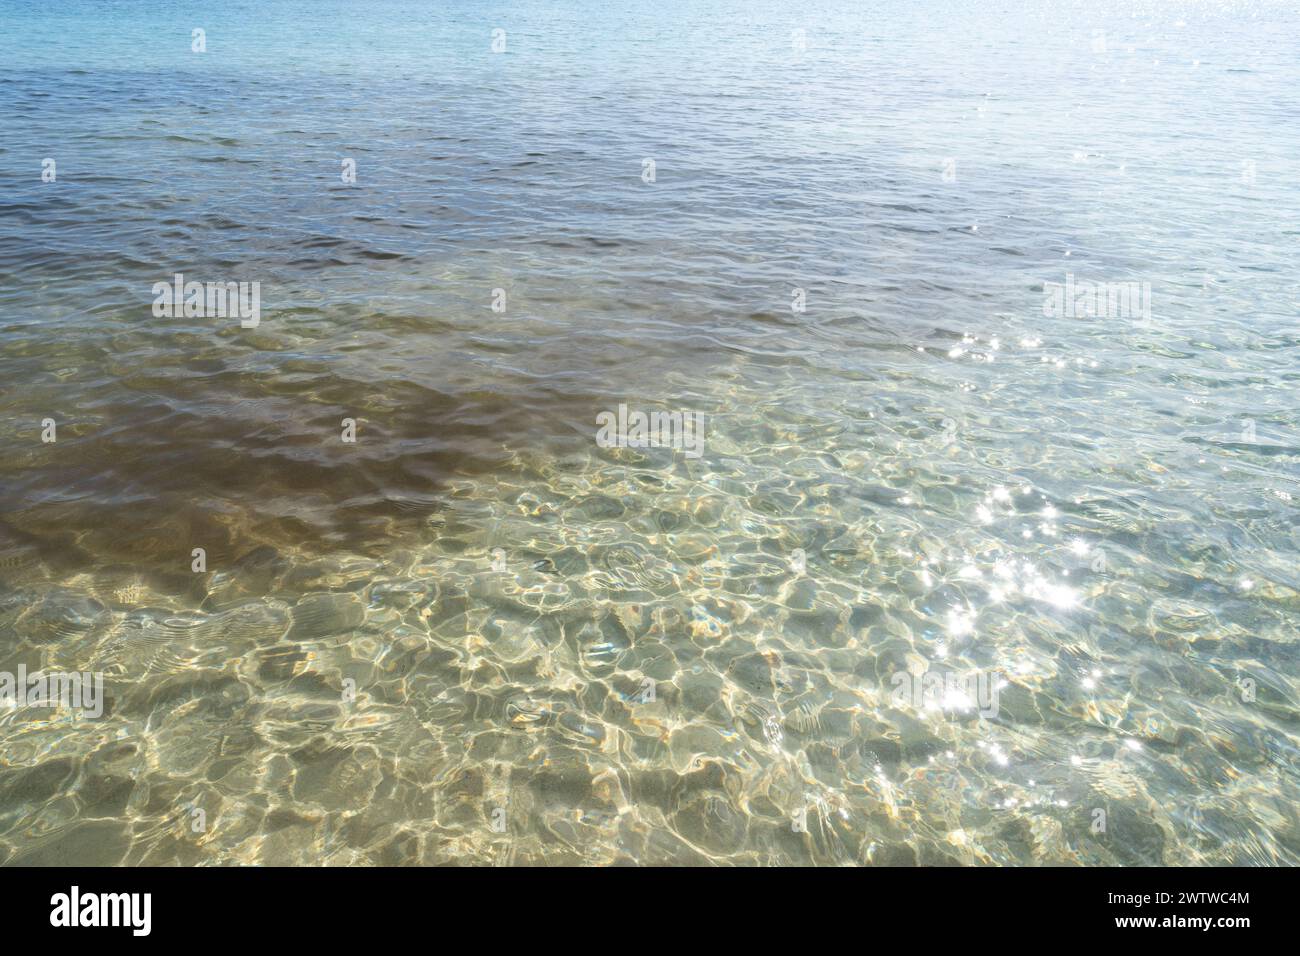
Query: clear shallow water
[[1070, 503]]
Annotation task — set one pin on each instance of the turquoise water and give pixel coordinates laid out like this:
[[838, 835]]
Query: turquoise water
[[477, 635]]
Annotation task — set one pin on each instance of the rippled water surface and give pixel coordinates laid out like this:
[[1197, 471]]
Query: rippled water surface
[[474, 635]]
